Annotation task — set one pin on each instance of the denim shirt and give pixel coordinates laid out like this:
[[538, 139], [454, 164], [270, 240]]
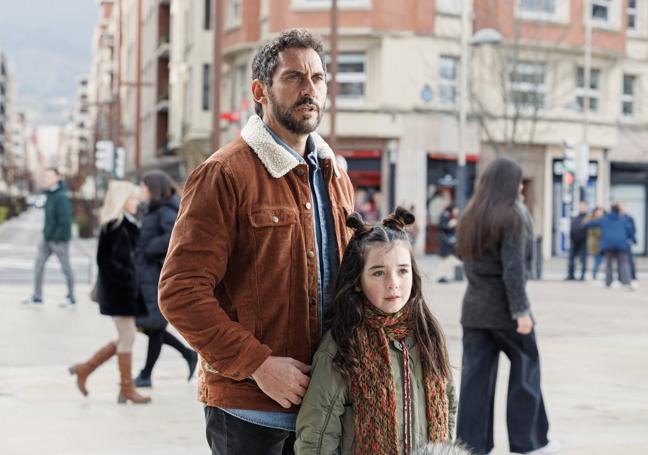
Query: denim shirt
[[328, 260]]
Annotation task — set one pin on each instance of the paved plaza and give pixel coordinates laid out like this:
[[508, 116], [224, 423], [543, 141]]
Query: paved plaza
[[593, 345]]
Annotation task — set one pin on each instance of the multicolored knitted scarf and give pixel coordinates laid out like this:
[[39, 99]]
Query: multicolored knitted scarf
[[374, 391]]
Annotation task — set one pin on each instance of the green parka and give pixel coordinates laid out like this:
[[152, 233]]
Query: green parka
[[325, 424], [58, 215]]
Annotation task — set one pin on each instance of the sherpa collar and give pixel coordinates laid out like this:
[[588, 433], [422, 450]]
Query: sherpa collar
[[277, 160]]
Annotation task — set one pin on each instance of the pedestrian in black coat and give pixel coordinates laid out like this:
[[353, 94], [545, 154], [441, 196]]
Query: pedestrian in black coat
[[117, 287], [495, 241], [158, 191]]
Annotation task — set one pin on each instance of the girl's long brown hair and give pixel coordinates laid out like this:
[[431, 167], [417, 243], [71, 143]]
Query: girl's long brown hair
[[348, 307], [491, 209]]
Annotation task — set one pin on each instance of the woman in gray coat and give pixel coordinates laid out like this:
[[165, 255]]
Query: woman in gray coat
[[494, 239], [158, 191]]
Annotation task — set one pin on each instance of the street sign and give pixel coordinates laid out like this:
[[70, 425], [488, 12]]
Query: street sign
[[582, 164], [120, 163], [105, 156]]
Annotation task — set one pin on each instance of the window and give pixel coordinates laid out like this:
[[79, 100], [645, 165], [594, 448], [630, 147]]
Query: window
[[448, 80], [627, 99], [206, 85], [207, 18], [351, 76], [188, 93], [234, 11], [527, 84], [327, 3], [449, 6], [538, 6], [632, 14], [593, 92], [601, 10]]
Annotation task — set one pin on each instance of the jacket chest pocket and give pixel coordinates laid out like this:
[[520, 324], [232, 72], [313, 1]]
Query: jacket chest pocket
[[273, 233]]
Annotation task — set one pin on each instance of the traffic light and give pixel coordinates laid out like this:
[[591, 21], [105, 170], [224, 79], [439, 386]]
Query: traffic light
[[120, 162], [105, 156]]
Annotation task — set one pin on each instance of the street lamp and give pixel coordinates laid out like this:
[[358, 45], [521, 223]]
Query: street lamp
[[483, 36]]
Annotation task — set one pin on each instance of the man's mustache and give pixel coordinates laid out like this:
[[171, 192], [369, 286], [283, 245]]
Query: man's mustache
[[306, 100]]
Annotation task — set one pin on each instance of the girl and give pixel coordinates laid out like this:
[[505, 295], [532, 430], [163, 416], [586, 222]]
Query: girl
[[116, 286], [495, 240], [381, 380], [159, 193]]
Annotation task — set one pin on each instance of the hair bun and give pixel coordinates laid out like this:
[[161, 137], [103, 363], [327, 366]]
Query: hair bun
[[399, 219], [355, 222]]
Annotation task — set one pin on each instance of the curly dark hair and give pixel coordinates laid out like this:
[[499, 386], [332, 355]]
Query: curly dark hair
[[267, 58], [347, 312]]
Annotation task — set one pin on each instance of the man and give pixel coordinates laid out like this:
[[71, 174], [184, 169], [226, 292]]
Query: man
[[578, 243], [258, 240], [615, 231], [57, 233], [631, 240]]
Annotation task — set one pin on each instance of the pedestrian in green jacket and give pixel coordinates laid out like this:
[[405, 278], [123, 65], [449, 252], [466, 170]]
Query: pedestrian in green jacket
[[57, 232], [381, 380]]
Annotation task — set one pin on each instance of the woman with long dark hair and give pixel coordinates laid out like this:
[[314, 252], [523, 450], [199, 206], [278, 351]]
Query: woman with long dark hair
[[159, 192], [381, 380], [495, 240]]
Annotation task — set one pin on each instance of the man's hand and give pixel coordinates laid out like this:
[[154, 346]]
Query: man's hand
[[524, 325], [283, 379]]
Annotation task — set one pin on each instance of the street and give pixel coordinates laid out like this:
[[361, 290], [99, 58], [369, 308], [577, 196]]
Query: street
[[593, 345]]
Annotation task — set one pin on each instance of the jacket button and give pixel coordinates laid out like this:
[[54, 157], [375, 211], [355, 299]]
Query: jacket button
[[310, 254], [275, 219], [300, 171], [236, 374], [308, 206], [313, 301]]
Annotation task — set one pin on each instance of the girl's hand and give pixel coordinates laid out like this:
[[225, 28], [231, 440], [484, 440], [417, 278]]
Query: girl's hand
[[524, 325]]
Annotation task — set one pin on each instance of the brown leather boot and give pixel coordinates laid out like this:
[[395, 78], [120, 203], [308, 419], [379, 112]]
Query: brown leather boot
[[127, 390], [83, 370]]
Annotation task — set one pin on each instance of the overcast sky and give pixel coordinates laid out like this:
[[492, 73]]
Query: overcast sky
[[48, 46]]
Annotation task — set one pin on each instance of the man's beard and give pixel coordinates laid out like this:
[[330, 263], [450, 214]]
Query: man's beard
[[284, 115]]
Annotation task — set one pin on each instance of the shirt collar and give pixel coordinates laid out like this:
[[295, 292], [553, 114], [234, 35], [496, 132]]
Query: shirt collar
[[311, 149]]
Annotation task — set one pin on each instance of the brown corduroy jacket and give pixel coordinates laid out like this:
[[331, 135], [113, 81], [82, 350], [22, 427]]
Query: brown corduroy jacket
[[240, 278]]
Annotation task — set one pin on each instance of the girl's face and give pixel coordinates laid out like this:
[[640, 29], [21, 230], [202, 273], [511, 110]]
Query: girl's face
[[387, 276], [132, 204], [145, 194]]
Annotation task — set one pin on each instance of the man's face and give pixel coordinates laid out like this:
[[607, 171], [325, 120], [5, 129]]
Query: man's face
[[50, 179], [298, 93]]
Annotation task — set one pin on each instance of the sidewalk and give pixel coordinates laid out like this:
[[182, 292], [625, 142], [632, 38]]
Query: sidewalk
[[593, 344]]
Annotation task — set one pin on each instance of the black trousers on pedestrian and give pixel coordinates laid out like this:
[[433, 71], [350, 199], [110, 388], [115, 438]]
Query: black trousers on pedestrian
[[229, 435], [157, 338], [526, 418], [577, 250]]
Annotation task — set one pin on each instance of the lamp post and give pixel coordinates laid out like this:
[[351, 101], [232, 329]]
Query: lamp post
[[582, 172], [483, 36], [392, 151]]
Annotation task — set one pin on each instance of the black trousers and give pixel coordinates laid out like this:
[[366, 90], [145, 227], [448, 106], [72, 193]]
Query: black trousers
[[526, 418], [229, 435], [577, 250], [157, 338]]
